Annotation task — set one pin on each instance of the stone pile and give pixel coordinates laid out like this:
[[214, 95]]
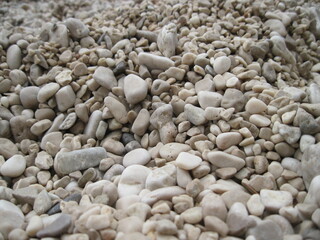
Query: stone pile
[[160, 120]]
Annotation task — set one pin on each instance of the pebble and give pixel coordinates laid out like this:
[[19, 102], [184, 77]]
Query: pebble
[[64, 78], [313, 196], [11, 218], [209, 99], [195, 114], [238, 220], [153, 61], [8, 148], [266, 229], [213, 205], [77, 28], [192, 215], [165, 193], [14, 166], [162, 177], [135, 89], [43, 160], [226, 140], [187, 161], [28, 97], [67, 162], [233, 98], [105, 77], [254, 106], [167, 40], [56, 228], [132, 183], [42, 203], [215, 224], [117, 109], [221, 64], [137, 156], [310, 165], [14, 57], [259, 120], [170, 151], [222, 160], [47, 91], [65, 98], [255, 206], [274, 200]]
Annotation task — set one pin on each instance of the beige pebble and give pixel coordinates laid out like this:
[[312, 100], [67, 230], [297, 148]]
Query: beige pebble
[[188, 161], [259, 120], [226, 140]]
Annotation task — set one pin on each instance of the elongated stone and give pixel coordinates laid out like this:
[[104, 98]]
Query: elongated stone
[[222, 159], [153, 61], [68, 162]]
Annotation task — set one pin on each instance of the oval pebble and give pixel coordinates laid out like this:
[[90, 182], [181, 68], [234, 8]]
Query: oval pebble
[[138, 156], [14, 166]]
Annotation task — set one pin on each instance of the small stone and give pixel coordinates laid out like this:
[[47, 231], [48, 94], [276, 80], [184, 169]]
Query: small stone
[[280, 49], [28, 97], [65, 98], [117, 109], [47, 91], [66, 56], [64, 78], [137, 156], [235, 195], [221, 64], [77, 28], [259, 120], [14, 166], [130, 225], [233, 98], [269, 73], [105, 77], [188, 161], [313, 192], [35, 224], [68, 162], [141, 123], [153, 61], [165, 193], [213, 205], [276, 26], [57, 228], [195, 115], [42, 203], [18, 77], [43, 160], [40, 127], [14, 56], [98, 222], [215, 224], [80, 69], [170, 151], [166, 227], [132, 183], [310, 164], [290, 134], [11, 218], [226, 173], [226, 140], [209, 99], [167, 40], [177, 73], [135, 89], [238, 219], [255, 105], [162, 177], [222, 160], [192, 215], [69, 121], [274, 200], [188, 58], [140, 210], [255, 206]]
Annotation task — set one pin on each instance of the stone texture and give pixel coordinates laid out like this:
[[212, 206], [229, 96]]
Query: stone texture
[[57, 228], [14, 166], [11, 217], [310, 164], [187, 161], [135, 89], [105, 77]]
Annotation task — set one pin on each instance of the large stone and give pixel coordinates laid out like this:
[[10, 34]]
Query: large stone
[[68, 162], [135, 89], [167, 40], [266, 230], [11, 217], [228, 139]]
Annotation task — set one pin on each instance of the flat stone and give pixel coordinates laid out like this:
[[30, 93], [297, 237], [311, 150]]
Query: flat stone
[[132, 183], [188, 161], [14, 166], [105, 77], [153, 61], [65, 98], [27, 194], [138, 156], [209, 99], [259, 120], [255, 105], [135, 89], [222, 160], [57, 228], [274, 200], [310, 164], [11, 217], [162, 177], [226, 140], [68, 162]]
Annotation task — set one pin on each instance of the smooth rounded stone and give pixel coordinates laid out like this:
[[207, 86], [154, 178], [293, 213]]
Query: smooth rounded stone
[[226, 140], [170, 151], [28, 97], [57, 228], [18, 77], [141, 123], [255, 105], [316, 217], [310, 164], [233, 98], [47, 91], [5, 113], [284, 149], [209, 99], [117, 109], [213, 205], [130, 225], [276, 26], [64, 77], [68, 162], [258, 182], [153, 61], [265, 230], [5, 85], [14, 56], [66, 56], [14, 166], [42, 203], [92, 125], [96, 189], [255, 206], [140, 210], [213, 113], [269, 73], [132, 183], [222, 160], [77, 28], [43, 160], [259, 50], [313, 93], [177, 73], [51, 139], [274, 200], [161, 116], [259, 120], [192, 215], [80, 69], [167, 40], [282, 222], [238, 219], [98, 222], [113, 146], [105, 77], [8, 148], [138, 156], [135, 89], [195, 115], [187, 161], [11, 217], [40, 127], [183, 178], [65, 98], [221, 64], [215, 224], [290, 134], [188, 58], [69, 121], [165, 193], [235, 195], [279, 48], [162, 177], [5, 129], [166, 227], [313, 192], [35, 224]]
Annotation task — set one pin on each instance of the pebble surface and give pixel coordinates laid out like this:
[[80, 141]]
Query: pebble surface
[[166, 120]]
